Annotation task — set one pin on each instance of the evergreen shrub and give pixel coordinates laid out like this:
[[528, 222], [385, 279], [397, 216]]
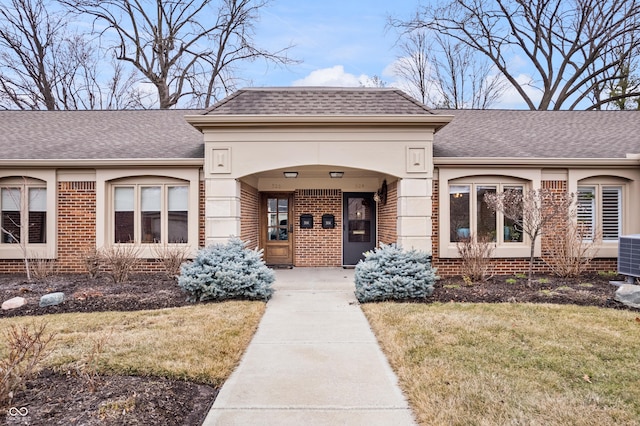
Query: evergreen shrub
[[227, 271], [390, 273]]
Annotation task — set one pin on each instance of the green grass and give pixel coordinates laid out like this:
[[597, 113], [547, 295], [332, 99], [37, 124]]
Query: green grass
[[608, 274], [521, 276], [543, 280], [451, 286], [533, 364], [201, 343], [511, 280]]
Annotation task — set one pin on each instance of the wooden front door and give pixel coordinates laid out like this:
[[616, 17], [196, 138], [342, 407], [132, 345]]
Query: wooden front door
[[276, 228]]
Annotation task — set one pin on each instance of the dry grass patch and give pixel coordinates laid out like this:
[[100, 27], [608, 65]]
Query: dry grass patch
[[201, 343], [533, 364]]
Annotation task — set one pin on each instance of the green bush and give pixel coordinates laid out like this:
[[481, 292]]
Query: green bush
[[389, 273], [227, 271]]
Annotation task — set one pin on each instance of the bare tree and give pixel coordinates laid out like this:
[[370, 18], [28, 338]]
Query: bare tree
[[531, 212], [447, 74], [43, 65], [185, 48], [374, 81], [565, 44]]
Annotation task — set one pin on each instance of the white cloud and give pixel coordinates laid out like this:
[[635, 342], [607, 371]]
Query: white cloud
[[511, 98], [334, 76]]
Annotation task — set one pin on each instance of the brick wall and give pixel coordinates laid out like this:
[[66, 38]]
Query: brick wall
[[318, 246], [505, 266], [249, 215], [76, 223], [388, 216]]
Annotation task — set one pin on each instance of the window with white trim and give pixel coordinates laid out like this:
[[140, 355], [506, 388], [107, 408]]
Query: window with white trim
[[23, 205], [470, 216], [150, 213], [599, 211]]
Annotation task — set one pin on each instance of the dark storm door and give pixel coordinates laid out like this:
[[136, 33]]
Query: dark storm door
[[359, 226], [277, 228]]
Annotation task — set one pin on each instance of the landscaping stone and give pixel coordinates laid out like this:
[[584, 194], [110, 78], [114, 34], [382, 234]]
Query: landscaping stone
[[628, 294], [51, 299], [13, 303]]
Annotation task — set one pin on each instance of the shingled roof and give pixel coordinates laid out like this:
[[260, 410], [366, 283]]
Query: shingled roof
[[69, 135], [165, 134], [539, 134], [318, 101]]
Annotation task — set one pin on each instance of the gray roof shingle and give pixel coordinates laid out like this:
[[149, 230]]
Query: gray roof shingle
[[156, 134], [539, 134], [318, 101], [69, 135]]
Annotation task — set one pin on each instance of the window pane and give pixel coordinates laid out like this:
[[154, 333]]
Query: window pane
[[11, 201], [459, 212], [611, 213], [586, 211], [37, 215], [512, 233], [151, 227], [37, 200], [486, 216], [178, 198], [124, 200], [360, 214], [123, 216], [150, 199], [150, 203], [178, 222]]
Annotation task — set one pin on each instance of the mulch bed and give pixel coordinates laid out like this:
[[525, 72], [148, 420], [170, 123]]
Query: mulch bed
[[56, 399]]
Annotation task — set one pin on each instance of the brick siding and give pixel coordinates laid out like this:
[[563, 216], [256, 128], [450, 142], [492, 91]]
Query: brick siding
[[388, 216], [76, 224], [318, 246], [249, 215]]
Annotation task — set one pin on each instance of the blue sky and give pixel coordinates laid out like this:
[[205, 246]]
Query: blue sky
[[339, 41]]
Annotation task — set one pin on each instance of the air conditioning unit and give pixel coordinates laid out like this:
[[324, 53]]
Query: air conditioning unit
[[629, 255]]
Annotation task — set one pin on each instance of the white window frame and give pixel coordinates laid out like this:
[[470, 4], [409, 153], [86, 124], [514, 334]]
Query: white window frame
[[138, 189], [24, 181], [108, 180], [473, 210], [527, 178], [594, 212]]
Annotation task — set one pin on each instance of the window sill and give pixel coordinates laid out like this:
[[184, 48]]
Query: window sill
[[503, 251], [35, 251]]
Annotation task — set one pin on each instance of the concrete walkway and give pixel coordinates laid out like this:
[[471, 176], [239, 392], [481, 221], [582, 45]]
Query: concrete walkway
[[313, 361]]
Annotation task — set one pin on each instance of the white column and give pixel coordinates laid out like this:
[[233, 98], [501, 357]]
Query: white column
[[414, 214], [222, 210]]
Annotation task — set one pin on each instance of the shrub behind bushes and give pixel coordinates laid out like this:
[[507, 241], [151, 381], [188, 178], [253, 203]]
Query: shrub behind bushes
[[227, 271], [391, 273]]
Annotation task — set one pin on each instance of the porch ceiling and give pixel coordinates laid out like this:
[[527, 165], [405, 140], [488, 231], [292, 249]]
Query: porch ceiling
[[319, 172]]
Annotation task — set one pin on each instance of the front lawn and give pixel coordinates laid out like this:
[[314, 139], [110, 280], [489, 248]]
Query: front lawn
[[201, 343], [508, 363]]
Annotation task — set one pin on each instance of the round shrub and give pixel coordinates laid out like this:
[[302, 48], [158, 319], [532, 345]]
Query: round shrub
[[227, 271], [390, 273]]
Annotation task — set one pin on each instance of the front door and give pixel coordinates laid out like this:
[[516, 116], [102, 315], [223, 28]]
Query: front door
[[359, 233], [277, 228]]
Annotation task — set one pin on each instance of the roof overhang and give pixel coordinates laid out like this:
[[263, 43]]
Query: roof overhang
[[535, 162], [435, 121], [104, 163]]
